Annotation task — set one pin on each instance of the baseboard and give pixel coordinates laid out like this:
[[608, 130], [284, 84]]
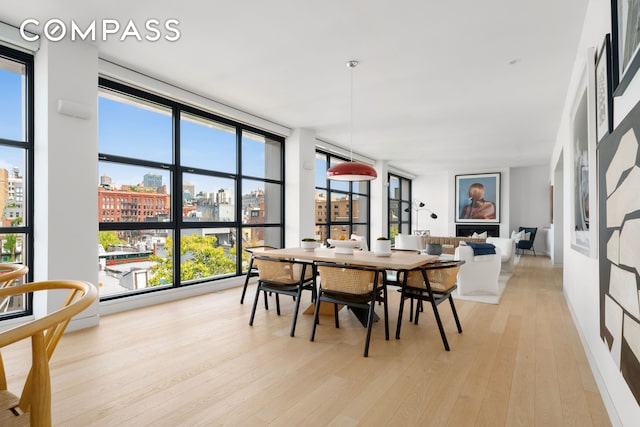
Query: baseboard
[[602, 387]]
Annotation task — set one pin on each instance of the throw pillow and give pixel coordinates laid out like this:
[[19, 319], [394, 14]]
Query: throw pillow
[[482, 235], [517, 236], [527, 236]]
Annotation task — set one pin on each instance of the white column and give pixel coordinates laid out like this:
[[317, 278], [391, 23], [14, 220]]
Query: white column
[[66, 151], [379, 206], [299, 186]]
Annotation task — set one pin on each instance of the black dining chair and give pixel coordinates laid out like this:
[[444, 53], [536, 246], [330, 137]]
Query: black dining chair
[[434, 283], [252, 271]]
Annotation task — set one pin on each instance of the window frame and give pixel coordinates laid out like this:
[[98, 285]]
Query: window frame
[[404, 218], [177, 223], [28, 174]]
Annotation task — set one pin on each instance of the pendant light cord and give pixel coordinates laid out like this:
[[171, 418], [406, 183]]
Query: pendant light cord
[[351, 65]]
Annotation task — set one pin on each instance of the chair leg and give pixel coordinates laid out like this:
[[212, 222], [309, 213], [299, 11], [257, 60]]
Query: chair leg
[[439, 322], [255, 304], [315, 319], [295, 312], [335, 315], [246, 281], [369, 324], [386, 313], [455, 314], [278, 304], [400, 316]]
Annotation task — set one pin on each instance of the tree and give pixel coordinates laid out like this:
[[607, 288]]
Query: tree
[[201, 258], [10, 245], [107, 238]]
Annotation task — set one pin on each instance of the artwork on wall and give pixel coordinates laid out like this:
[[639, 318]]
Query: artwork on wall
[[619, 241], [604, 94], [625, 41], [478, 198], [583, 155]]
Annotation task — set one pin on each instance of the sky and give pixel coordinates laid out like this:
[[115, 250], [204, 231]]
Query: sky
[[143, 133]]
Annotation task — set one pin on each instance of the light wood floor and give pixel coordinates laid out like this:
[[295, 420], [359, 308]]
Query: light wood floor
[[197, 362]]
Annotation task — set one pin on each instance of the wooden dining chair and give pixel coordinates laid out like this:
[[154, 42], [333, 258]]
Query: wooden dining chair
[[33, 405], [252, 271], [10, 274], [283, 277], [356, 287], [434, 283]]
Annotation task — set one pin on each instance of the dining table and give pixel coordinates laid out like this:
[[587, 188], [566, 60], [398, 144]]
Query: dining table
[[396, 261]]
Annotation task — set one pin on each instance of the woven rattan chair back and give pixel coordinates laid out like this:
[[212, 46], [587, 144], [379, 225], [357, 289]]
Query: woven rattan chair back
[[442, 275], [347, 280]]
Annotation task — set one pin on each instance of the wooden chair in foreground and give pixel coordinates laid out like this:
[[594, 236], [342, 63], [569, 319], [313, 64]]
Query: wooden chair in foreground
[[354, 286], [9, 273], [33, 406], [432, 283]]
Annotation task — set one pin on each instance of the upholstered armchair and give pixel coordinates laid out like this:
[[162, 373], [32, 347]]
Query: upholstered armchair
[[479, 274], [507, 248], [525, 244]]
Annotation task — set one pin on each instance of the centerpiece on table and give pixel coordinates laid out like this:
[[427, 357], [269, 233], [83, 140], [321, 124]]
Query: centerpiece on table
[[344, 246]]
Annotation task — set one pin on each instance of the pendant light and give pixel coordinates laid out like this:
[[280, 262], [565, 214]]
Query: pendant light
[[351, 171]]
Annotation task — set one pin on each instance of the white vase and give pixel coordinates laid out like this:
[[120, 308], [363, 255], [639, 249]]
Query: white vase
[[382, 247]]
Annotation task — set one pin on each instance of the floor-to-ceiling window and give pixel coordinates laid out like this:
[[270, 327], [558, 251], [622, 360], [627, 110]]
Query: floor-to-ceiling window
[[399, 206], [16, 167], [342, 207], [181, 192]]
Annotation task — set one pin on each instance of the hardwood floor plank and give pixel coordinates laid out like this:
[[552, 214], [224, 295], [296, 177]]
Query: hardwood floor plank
[[197, 362]]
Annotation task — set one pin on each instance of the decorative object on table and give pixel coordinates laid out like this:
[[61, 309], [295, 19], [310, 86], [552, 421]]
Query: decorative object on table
[[604, 92], [619, 246], [362, 240], [344, 247], [434, 249], [351, 171], [624, 43], [418, 206], [309, 244], [478, 198], [382, 246]]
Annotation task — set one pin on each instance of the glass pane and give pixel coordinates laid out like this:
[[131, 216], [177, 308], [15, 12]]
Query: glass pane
[[394, 215], [133, 260], [340, 230], [321, 170], [206, 144], [338, 185], [261, 202], [12, 183], [405, 211], [13, 247], [260, 236], [208, 198], [207, 253], [134, 128], [339, 208], [12, 102], [360, 208], [393, 232], [406, 192], [394, 187], [322, 213], [361, 230], [133, 193], [361, 187], [261, 157], [321, 234]]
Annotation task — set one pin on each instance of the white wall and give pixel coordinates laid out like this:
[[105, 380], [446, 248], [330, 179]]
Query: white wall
[[581, 272], [530, 202], [66, 149]]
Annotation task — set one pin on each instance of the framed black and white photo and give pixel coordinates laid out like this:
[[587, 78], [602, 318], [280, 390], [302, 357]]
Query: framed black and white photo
[[625, 42], [478, 198], [604, 92]]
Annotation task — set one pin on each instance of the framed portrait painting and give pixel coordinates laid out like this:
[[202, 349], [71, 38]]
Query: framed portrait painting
[[478, 197]]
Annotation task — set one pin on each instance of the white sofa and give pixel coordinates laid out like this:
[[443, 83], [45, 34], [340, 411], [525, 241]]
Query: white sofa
[[479, 274], [507, 248]]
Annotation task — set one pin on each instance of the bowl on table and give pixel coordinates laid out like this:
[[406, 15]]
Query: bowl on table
[[344, 246]]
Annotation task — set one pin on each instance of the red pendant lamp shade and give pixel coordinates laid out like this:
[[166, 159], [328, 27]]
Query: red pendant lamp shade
[[351, 171]]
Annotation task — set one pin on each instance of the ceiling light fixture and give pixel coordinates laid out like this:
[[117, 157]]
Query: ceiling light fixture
[[351, 171]]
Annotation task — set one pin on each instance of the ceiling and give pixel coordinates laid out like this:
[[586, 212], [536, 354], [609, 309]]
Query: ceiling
[[440, 86]]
